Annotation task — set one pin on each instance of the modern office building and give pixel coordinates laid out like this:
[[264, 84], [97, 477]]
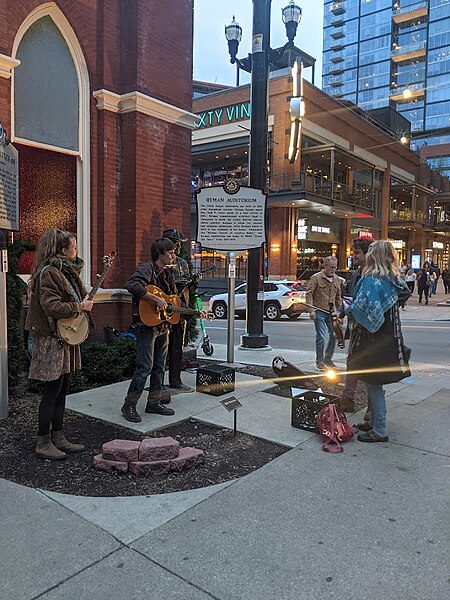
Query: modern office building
[[382, 54]]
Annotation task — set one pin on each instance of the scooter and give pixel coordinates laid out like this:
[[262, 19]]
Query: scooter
[[203, 340]]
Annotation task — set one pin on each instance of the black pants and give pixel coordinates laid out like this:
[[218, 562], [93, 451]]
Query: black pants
[[175, 356], [446, 285], [53, 403], [411, 284], [422, 291]]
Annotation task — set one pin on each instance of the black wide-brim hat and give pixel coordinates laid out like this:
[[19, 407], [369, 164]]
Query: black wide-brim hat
[[174, 235]]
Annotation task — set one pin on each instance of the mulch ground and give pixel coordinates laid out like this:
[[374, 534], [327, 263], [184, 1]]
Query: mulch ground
[[226, 456]]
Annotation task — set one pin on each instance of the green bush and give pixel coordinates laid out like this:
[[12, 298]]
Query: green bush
[[102, 364], [15, 290]]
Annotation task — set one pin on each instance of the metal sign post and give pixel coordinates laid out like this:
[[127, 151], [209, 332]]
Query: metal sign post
[[231, 306], [9, 221], [3, 329], [232, 404]]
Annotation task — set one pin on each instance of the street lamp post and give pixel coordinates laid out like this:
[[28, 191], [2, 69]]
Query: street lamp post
[[258, 63]]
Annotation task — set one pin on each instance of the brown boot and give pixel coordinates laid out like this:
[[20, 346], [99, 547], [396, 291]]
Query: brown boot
[[346, 404], [46, 449], [60, 441]]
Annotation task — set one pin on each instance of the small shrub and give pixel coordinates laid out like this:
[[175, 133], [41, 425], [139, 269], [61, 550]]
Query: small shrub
[[102, 364]]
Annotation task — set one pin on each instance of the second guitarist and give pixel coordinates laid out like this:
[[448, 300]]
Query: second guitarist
[[178, 331], [152, 342]]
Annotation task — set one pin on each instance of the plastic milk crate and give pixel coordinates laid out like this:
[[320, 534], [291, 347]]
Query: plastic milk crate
[[215, 380], [306, 405]]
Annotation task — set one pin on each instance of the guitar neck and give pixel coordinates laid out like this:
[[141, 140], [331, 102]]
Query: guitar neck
[[183, 310]]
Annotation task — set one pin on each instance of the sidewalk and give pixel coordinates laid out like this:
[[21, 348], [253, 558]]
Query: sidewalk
[[369, 523]]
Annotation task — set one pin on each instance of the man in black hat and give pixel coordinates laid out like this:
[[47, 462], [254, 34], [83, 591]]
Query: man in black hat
[[183, 276]]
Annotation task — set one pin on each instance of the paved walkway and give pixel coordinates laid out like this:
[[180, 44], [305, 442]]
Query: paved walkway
[[369, 523]]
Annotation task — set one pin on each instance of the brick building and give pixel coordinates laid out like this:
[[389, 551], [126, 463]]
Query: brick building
[[97, 98], [353, 177]]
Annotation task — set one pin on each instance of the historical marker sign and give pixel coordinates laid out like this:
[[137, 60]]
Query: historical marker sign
[[9, 187], [231, 220]]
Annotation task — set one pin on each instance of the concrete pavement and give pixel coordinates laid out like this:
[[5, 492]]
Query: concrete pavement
[[371, 522]]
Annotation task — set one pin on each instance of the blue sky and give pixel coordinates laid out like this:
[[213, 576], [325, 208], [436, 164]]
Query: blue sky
[[211, 59]]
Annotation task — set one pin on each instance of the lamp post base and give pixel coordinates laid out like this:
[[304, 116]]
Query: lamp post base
[[255, 340]]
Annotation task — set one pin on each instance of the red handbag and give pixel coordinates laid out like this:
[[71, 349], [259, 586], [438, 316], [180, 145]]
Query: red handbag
[[334, 428]]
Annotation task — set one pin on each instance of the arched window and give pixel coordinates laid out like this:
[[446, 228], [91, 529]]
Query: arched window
[[46, 95]]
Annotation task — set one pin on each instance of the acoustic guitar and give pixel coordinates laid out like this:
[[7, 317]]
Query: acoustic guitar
[[151, 315], [75, 330]]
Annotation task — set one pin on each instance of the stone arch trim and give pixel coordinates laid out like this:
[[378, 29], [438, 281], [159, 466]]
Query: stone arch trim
[[50, 9]]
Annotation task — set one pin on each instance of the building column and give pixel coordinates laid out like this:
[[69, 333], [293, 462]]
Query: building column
[[282, 243], [385, 203]]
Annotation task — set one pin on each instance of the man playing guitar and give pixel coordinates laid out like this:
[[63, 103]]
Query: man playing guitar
[[152, 342]]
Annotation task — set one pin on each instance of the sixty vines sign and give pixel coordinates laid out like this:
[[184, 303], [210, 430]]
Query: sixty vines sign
[[223, 116]]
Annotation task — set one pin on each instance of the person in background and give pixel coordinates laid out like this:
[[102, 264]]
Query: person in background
[[403, 270], [423, 285], [177, 333], [376, 348], [152, 342], [446, 280], [56, 292], [411, 280], [436, 273], [360, 249], [324, 292]]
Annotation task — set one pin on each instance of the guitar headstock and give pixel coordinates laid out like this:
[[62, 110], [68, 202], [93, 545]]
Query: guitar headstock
[[109, 259]]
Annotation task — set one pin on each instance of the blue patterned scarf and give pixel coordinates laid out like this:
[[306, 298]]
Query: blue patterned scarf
[[373, 296]]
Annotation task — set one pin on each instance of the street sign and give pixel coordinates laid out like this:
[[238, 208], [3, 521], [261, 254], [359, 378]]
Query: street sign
[[231, 403], [9, 187], [4, 261], [231, 220]]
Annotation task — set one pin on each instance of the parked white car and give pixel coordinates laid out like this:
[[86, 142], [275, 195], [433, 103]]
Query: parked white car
[[280, 298]]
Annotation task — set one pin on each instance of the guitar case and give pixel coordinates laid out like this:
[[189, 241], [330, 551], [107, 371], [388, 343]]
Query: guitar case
[[290, 373]]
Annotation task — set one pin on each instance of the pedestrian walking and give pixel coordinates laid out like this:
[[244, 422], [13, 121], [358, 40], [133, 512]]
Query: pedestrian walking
[[324, 292], [377, 351], [411, 280], [446, 280], [423, 285], [56, 293], [435, 273]]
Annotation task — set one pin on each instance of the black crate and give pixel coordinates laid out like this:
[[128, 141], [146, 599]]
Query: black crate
[[305, 408], [215, 380]]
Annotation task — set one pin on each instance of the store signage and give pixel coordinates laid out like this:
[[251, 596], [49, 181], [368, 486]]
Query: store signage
[[415, 261], [302, 229], [231, 222], [224, 115], [438, 245], [9, 187], [398, 244], [318, 229], [365, 233]]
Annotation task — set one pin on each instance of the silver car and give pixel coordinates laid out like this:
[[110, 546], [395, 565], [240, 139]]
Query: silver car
[[280, 298]]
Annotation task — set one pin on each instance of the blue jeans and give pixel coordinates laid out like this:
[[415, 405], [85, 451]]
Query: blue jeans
[[377, 403], [152, 346], [322, 322]]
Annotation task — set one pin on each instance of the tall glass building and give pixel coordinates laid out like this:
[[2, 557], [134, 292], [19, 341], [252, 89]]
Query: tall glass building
[[394, 53]]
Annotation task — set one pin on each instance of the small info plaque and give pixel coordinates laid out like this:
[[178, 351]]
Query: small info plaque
[[231, 403], [9, 187]]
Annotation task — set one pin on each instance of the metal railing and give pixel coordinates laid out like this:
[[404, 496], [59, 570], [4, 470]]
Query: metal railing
[[410, 8], [360, 196], [408, 49], [413, 87], [406, 214]]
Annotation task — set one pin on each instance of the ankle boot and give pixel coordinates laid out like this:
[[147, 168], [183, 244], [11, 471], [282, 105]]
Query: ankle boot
[[130, 413], [46, 449], [60, 441]]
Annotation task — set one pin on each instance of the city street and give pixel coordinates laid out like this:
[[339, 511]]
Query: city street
[[428, 338]]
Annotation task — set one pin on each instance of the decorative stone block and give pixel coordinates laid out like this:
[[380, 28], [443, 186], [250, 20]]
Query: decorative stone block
[[151, 468], [102, 464], [187, 458], [127, 450], [162, 448]]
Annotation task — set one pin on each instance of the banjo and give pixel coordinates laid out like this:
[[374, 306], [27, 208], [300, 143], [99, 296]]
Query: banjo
[[74, 330]]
